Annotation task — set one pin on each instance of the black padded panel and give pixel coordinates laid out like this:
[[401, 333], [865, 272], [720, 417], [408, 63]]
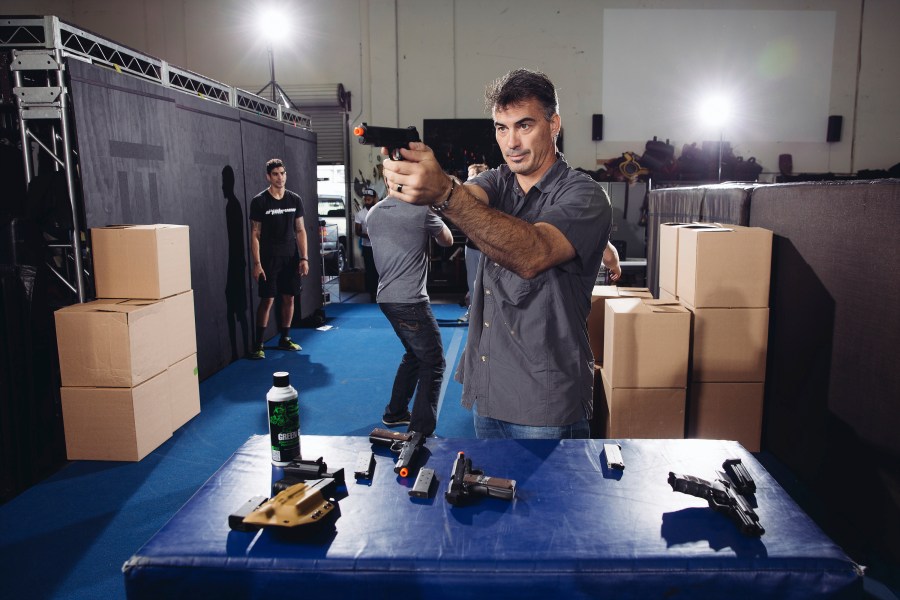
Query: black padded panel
[[300, 155], [261, 139], [153, 155]]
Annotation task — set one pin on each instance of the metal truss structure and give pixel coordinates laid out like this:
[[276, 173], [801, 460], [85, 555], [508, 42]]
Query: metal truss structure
[[40, 46]]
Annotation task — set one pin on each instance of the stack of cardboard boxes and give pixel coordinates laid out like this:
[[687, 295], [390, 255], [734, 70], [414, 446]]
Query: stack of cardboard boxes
[[641, 384], [721, 274], [128, 361]]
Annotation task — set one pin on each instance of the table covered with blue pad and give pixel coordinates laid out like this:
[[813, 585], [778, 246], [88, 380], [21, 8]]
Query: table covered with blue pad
[[575, 529]]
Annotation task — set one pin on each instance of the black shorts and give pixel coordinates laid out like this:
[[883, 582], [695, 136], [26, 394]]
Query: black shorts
[[281, 276]]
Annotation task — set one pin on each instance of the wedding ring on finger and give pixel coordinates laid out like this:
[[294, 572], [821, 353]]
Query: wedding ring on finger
[[400, 188]]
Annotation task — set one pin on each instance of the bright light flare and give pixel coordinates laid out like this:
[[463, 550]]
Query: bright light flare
[[273, 25], [715, 110]]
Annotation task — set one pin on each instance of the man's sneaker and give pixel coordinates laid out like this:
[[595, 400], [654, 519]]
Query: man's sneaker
[[396, 422], [257, 354], [287, 344]]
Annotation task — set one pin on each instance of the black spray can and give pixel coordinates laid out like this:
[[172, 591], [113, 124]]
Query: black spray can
[[284, 420]]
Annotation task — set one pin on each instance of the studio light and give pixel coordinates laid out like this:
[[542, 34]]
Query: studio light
[[715, 111], [274, 26]]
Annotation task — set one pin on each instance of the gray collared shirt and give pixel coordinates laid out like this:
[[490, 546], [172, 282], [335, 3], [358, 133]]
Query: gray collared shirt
[[527, 358]]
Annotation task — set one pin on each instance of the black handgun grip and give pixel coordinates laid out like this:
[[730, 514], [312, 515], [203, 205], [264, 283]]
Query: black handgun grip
[[493, 487], [386, 437], [690, 485]]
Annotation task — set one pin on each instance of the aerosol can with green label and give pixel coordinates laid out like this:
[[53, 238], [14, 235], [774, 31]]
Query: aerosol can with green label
[[284, 420]]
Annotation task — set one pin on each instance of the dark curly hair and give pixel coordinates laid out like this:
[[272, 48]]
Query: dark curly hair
[[519, 86], [273, 164]]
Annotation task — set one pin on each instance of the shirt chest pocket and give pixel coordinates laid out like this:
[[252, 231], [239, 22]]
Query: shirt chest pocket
[[507, 287]]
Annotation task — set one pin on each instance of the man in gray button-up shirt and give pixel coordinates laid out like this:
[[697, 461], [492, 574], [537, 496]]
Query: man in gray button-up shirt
[[542, 227]]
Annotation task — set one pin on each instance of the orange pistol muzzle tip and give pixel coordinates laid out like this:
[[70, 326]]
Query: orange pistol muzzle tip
[[404, 472], [358, 131]]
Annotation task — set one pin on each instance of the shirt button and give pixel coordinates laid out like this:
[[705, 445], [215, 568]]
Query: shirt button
[[486, 324], [487, 292], [483, 358]]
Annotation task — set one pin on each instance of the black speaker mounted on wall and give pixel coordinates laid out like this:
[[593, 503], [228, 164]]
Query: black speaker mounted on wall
[[835, 123], [597, 128]]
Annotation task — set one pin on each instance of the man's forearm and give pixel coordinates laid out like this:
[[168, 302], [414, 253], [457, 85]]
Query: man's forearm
[[254, 242], [300, 235], [301, 243], [522, 247]]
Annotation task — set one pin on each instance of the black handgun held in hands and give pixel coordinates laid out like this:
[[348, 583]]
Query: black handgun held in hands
[[466, 482], [392, 138]]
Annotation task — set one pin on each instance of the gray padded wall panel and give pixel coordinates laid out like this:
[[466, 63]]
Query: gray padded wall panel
[[833, 334], [832, 403]]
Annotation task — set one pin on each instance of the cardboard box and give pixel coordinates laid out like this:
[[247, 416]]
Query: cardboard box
[[646, 343], [648, 413], [724, 267], [123, 424], [729, 344], [184, 394], [178, 319], [664, 295], [181, 329], [597, 315], [141, 261], [352, 281], [727, 411], [107, 343], [668, 254]]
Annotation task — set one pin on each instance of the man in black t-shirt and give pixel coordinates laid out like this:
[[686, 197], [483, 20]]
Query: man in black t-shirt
[[277, 234]]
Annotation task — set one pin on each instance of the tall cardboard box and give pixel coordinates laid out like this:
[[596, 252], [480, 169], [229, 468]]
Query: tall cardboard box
[[111, 343], [597, 315], [726, 411], [668, 254], [184, 391], [181, 330], [123, 424], [646, 343], [724, 267], [729, 344], [646, 413], [141, 261]]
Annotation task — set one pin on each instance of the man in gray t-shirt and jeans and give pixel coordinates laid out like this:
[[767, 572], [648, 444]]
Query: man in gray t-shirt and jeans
[[399, 233]]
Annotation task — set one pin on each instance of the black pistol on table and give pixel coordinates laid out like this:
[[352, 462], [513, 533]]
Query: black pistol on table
[[392, 138], [466, 482], [405, 445], [722, 497]]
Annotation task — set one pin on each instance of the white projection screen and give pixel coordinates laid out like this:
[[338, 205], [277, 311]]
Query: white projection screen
[[659, 65]]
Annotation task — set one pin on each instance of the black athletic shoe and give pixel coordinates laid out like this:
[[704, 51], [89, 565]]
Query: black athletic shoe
[[289, 345], [396, 422]]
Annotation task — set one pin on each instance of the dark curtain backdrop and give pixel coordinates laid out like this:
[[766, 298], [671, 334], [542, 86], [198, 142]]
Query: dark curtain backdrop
[[153, 155]]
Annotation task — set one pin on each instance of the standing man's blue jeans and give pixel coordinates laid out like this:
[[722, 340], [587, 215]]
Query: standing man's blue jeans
[[489, 428], [422, 365]]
